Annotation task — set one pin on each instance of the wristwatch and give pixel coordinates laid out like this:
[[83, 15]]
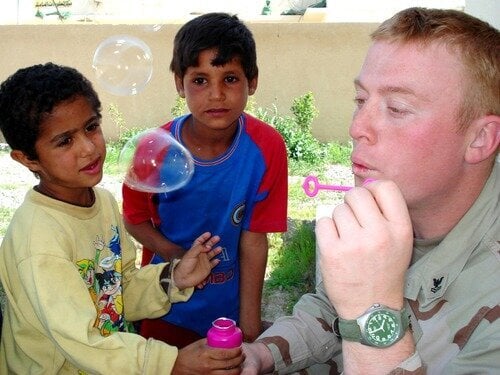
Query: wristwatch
[[380, 326]]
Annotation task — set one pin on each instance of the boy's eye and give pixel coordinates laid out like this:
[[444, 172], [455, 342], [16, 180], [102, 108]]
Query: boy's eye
[[199, 81], [64, 141], [231, 79], [93, 126]]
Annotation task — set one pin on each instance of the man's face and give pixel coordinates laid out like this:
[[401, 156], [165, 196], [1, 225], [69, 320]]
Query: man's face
[[405, 125]]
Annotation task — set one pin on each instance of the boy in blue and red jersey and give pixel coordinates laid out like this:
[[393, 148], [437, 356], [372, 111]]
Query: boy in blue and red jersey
[[238, 190]]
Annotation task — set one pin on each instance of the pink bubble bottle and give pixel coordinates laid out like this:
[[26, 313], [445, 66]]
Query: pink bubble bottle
[[224, 334]]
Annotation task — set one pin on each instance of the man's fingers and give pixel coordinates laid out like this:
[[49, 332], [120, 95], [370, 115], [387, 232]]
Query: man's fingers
[[325, 229], [390, 201]]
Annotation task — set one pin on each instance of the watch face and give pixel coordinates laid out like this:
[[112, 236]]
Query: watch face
[[382, 328]]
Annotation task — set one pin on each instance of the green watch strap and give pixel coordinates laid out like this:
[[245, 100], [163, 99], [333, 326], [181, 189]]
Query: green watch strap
[[350, 330]]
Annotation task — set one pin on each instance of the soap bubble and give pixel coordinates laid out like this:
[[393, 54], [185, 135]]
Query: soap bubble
[[153, 161], [123, 64]]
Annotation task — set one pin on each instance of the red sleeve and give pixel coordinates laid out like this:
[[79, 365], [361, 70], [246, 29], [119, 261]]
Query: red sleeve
[[138, 206], [270, 214]]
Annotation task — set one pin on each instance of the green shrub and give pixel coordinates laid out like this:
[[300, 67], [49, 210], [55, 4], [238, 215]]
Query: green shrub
[[296, 130], [305, 111], [293, 265], [114, 147], [180, 107], [338, 153]]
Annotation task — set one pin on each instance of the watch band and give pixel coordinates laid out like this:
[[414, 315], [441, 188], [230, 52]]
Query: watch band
[[350, 330]]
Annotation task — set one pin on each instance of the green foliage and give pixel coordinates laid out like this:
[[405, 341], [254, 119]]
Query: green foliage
[[56, 4], [117, 118], [305, 111], [251, 106], [179, 108], [114, 147], [338, 153], [296, 130], [293, 265]]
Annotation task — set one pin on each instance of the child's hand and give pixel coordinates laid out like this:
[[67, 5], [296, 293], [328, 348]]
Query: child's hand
[[198, 358], [197, 263]]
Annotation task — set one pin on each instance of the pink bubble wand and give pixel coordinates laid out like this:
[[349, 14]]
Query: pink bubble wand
[[312, 186]]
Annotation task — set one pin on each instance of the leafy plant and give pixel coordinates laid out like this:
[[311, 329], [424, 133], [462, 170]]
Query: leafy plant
[[338, 153], [179, 108], [114, 147], [296, 130], [305, 111], [293, 265]]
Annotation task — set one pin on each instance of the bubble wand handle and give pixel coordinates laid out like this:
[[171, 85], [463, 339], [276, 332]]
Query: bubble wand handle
[[312, 186]]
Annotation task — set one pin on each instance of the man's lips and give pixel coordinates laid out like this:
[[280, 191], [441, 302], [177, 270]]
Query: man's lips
[[360, 168]]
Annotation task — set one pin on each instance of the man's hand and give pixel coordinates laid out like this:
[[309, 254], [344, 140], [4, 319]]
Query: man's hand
[[258, 359], [198, 358], [197, 262], [365, 249]]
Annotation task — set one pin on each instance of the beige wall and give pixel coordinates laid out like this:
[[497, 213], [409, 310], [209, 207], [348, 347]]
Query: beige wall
[[293, 58]]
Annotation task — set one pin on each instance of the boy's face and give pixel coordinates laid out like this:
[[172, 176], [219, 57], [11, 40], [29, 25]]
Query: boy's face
[[71, 151], [405, 125], [215, 95]]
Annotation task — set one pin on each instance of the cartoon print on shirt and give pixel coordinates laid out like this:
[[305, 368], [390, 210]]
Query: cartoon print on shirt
[[110, 304], [86, 268], [115, 259], [103, 279]]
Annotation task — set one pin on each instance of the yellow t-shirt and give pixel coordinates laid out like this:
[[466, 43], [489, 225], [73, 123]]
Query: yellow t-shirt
[[72, 286]]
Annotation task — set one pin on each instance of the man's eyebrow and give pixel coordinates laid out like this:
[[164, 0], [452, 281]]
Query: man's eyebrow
[[388, 89]]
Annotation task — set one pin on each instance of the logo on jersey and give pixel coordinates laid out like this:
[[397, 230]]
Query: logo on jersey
[[237, 215]]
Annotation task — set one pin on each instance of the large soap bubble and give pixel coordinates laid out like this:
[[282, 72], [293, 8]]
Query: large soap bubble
[[123, 64], [153, 161]]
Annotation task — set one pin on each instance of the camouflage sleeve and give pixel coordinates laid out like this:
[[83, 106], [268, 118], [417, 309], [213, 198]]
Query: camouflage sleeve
[[305, 338], [411, 366]]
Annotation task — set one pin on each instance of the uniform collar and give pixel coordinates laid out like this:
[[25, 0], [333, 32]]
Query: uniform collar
[[435, 271]]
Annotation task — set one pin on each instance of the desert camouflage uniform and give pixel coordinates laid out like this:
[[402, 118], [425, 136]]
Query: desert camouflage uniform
[[453, 293]]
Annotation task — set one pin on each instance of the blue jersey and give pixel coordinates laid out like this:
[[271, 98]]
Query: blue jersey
[[243, 189]]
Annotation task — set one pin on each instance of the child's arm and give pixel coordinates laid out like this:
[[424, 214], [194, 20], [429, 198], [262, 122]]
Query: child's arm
[[253, 260], [152, 239], [147, 299], [139, 214]]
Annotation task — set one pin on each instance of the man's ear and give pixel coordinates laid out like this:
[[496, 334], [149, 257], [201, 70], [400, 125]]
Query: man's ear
[[252, 85], [179, 85], [485, 139], [22, 158]]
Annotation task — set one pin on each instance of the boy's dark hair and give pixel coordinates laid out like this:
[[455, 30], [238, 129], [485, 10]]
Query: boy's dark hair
[[30, 94], [220, 31]]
